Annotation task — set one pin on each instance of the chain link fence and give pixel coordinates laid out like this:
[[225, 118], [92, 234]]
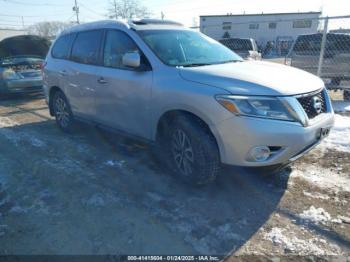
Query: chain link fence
[[325, 53], [319, 45]]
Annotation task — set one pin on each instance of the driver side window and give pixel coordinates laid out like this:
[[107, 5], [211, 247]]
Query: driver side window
[[117, 44]]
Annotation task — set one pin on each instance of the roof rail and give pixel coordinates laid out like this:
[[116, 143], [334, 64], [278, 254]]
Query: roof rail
[[155, 22]]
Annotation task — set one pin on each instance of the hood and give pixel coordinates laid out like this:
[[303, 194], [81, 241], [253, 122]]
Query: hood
[[24, 45], [254, 78]]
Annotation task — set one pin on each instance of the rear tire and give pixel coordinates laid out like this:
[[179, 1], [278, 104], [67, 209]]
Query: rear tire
[[190, 151], [346, 95], [62, 112]]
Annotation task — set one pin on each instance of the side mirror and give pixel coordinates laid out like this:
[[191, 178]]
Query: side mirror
[[132, 59]]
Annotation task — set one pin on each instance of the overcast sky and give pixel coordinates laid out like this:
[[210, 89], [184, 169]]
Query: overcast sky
[[184, 11]]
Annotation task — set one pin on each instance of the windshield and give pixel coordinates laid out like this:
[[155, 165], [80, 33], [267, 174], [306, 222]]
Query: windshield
[[187, 48]]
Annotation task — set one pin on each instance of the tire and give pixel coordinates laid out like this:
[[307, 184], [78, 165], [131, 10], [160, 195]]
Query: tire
[[190, 151], [346, 95], [62, 112]]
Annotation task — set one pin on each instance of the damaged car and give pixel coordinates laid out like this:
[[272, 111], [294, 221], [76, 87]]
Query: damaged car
[[21, 60]]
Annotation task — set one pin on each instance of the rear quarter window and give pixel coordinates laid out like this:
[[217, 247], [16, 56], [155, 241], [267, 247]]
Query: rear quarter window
[[62, 47]]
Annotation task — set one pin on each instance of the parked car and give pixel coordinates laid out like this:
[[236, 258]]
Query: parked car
[[305, 55], [21, 58], [197, 101], [245, 47]]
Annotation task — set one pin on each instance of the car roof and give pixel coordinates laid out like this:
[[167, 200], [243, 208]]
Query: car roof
[[320, 34], [142, 24]]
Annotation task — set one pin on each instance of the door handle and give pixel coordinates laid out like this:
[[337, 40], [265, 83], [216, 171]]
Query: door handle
[[63, 72], [101, 80]]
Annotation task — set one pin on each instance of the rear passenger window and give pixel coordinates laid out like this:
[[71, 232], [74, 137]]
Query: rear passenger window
[[62, 47], [86, 47]]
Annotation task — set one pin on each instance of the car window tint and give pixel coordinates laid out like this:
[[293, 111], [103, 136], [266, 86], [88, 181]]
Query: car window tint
[[62, 47], [86, 47], [309, 43], [116, 46], [338, 43]]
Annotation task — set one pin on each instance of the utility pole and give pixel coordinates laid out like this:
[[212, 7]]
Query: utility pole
[[162, 15], [323, 47], [22, 22], [76, 10]]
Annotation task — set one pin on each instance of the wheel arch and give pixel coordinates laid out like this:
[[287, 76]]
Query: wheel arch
[[169, 116]]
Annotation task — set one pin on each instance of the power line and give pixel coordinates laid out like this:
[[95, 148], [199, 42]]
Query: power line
[[28, 4], [90, 10]]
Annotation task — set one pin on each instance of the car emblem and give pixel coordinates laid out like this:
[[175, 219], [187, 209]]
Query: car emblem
[[317, 104]]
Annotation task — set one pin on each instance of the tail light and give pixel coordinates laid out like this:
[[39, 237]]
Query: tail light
[[42, 66]]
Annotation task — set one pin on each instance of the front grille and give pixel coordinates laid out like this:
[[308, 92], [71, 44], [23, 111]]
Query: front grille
[[313, 104]]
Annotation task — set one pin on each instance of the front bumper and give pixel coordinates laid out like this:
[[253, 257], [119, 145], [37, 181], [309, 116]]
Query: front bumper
[[238, 135], [21, 85]]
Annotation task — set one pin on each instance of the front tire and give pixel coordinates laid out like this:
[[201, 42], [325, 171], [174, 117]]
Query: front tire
[[191, 151], [62, 112]]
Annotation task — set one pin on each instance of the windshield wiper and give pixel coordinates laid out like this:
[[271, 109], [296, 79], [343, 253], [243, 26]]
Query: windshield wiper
[[230, 61], [195, 64]]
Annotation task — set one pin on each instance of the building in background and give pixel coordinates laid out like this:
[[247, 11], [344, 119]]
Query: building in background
[[275, 31], [5, 33]]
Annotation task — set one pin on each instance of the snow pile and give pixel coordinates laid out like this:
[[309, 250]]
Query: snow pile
[[339, 137], [300, 246], [318, 216]]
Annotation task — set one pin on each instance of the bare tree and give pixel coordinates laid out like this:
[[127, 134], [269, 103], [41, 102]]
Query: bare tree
[[127, 9], [48, 29]]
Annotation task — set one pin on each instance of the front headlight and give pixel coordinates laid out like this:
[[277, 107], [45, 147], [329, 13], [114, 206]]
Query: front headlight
[[257, 106], [10, 75]]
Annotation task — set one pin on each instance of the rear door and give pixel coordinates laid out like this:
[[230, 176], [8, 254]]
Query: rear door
[[81, 73], [56, 68]]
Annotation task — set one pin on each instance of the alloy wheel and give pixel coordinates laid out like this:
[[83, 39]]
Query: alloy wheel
[[61, 111], [182, 152]]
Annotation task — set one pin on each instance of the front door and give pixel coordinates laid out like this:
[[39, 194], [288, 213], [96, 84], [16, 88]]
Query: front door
[[123, 94]]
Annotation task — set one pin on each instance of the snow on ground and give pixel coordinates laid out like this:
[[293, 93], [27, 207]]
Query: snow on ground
[[323, 178], [7, 122], [339, 137], [15, 137], [316, 195], [291, 243], [318, 216]]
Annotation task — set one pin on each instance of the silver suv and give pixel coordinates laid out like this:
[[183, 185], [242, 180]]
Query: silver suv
[[196, 100]]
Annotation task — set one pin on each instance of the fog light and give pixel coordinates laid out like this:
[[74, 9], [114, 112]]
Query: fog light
[[260, 153]]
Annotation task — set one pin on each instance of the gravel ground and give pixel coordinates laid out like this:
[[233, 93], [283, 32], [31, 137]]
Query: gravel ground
[[92, 192]]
